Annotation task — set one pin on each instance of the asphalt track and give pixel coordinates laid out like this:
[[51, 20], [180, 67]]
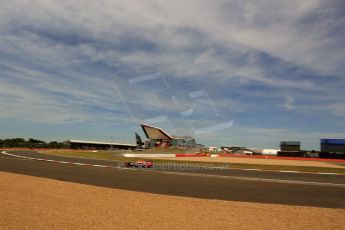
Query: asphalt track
[[236, 185]]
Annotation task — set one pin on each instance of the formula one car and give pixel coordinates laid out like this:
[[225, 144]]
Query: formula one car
[[139, 164]]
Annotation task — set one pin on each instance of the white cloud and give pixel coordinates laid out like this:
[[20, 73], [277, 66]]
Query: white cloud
[[53, 52], [276, 28]]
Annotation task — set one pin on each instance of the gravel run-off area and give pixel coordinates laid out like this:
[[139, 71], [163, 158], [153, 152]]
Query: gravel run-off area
[[36, 203]]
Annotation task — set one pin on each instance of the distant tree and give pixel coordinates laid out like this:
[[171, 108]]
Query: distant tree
[[15, 142], [31, 140], [34, 143], [54, 145], [30, 143]]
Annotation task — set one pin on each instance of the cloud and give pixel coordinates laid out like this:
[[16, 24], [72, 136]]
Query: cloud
[[60, 61]]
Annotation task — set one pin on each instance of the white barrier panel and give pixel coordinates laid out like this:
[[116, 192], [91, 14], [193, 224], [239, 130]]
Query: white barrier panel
[[270, 152], [148, 155]]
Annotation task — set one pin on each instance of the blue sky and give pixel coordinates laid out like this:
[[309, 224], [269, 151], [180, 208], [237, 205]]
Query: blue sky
[[248, 73]]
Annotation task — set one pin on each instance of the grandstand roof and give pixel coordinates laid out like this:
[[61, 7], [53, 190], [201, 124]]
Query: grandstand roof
[[100, 143]]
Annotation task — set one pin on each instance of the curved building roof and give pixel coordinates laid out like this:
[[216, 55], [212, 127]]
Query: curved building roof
[[153, 132]]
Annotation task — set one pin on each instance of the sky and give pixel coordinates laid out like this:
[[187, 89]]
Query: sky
[[229, 73]]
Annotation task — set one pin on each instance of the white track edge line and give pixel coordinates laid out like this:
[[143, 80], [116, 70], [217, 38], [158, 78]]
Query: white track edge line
[[104, 166]]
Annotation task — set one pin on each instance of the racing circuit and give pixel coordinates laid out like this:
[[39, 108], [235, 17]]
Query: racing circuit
[[319, 190]]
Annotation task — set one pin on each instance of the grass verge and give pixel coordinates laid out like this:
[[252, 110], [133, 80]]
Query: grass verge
[[117, 156]]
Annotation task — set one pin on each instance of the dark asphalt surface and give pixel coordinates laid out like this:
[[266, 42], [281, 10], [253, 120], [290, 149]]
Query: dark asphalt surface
[[187, 185], [189, 168]]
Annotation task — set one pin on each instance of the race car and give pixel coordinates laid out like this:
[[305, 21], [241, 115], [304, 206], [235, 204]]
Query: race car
[[139, 164]]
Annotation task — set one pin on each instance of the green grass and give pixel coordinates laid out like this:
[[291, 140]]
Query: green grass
[[104, 155], [117, 156]]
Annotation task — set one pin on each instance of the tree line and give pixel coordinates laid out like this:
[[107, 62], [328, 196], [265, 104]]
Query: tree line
[[30, 143]]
